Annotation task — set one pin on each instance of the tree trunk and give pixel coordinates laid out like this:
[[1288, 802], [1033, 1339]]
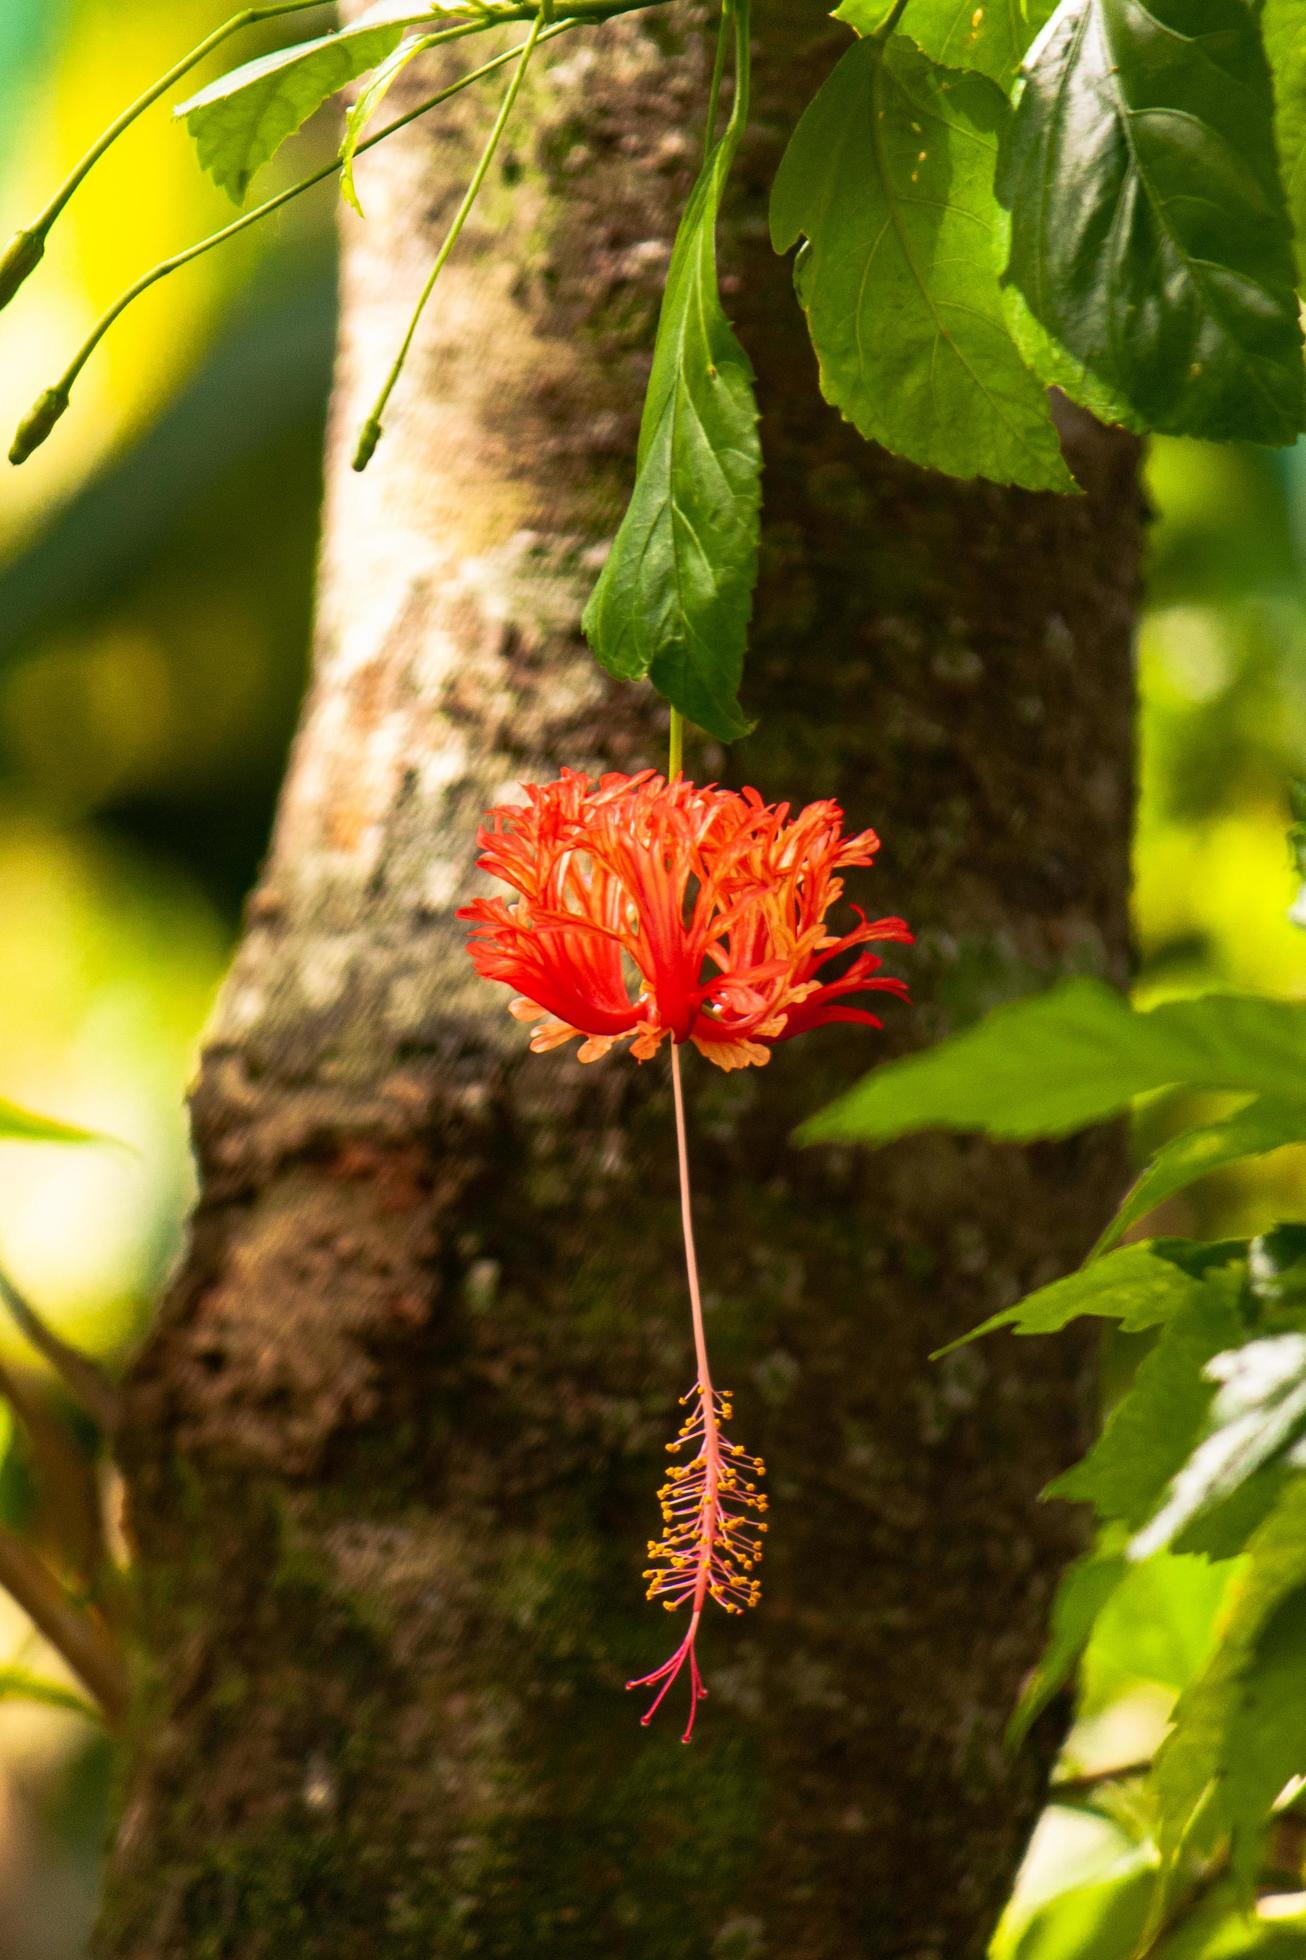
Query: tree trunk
[[391, 1450]]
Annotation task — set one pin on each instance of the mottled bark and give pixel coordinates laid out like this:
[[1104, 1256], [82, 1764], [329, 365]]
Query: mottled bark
[[392, 1447]]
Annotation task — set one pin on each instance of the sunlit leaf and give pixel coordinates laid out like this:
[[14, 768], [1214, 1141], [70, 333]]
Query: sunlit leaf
[[1084, 1592], [18, 1125], [1240, 1731], [1219, 1927], [19, 1684], [1283, 26], [1159, 1627], [889, 178], [1140, 1286], [242, 119], [991, 36], [1257, 1415], [1262, 1126], [1153, 1427], [1046, 1066], [1150, 234], [674, 598], [1101, 1920]]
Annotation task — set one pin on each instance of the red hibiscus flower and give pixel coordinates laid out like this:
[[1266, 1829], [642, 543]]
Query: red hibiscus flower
[[646, 908]]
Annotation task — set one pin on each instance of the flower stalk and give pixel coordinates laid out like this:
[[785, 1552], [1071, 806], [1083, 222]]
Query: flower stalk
[[711, 1505]]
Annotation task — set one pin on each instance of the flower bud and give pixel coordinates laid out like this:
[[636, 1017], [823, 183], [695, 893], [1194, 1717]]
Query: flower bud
[[368, 438], [21, 256], [37, 423]]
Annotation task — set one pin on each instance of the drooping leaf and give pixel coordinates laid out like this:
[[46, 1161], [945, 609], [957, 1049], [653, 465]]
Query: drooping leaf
[[20, 1684], [674, 598], [1149, 232], [889, 177], [1283, 25], [242, 119], [1140, 1286], [1257, 1415], [1081, 1597], [991, 37], [1046, 1066], [1240, 1730], [18, 1125], [1262, 1126], [1158, 1420], [366, 104]]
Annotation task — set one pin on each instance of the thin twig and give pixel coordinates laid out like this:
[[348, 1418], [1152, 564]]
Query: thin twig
[[66, 1475], [1091, 1780], [87, 1383], [87, 1647]]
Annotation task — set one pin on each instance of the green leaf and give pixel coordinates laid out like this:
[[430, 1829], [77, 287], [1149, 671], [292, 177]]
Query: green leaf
[[1150, 234], [1262, 1126], [1283, 27], [1160, 1417], [19, 1125], [1051, 362], [1083, 1594], [1257, 1415], [991, 37], [365, 107], [19, 1684], [242, 119], [674, 598], [1240, 1730], [1160, 1626], [1100, 1920], [889, 176], [1297, 803], [1046, 1066], [1276, 1267], [1141, 1286]]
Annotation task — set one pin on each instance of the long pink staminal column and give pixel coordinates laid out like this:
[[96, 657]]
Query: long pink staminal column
[[712, 1543]]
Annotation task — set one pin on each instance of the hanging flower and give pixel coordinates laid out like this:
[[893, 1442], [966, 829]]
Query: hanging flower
[[647, 908]]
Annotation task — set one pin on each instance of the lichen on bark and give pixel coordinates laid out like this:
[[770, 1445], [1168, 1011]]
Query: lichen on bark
[[391, 1448]]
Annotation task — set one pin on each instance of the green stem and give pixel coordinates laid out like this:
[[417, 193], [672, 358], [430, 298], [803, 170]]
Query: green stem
[[676, 758], [85, 1381], [54, 401], [247, 17], [887, 25], [744, 72], [370, 434], [87, 1645], [718, 71]]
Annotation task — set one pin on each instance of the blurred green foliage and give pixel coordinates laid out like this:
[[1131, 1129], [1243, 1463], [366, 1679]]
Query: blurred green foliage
[[1222, 733], [155, 590], [155, 596]]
